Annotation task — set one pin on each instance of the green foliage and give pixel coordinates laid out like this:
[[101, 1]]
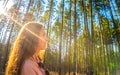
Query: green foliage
[[97, 48]]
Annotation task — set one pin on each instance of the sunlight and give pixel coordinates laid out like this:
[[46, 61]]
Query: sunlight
[[2, 11], [7, 7], [9, 4]]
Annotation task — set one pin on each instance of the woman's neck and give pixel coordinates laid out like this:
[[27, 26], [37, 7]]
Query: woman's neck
[[36, 58]]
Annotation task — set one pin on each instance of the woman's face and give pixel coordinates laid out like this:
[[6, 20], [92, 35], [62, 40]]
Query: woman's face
[[42, 45]]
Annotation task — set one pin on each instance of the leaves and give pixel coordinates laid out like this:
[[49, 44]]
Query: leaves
[[99, 51]]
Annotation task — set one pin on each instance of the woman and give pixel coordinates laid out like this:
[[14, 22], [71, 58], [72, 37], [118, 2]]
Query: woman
[[23, 59]]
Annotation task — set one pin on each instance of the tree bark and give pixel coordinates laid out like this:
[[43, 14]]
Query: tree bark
[[75, 41]]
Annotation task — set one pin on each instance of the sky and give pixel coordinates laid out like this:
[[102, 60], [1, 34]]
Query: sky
[[3, 11], [8, 6]]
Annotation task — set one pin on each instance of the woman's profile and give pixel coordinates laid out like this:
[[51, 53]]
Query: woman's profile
[[23, 58]]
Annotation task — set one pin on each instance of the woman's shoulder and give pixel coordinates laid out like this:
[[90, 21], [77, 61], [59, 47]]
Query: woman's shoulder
[[28, 63], [28, 68]]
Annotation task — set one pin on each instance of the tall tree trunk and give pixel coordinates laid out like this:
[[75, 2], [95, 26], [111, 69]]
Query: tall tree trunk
[[18, 3], [28, 7], [116, 26], [66, 38], [7, 47], [116, 11], [92, 38], [100, 52], [101, 44], [70, 35], [87, 36], [109, 46], [49, 26], [4, 31], [61, 33], [39, 9], [114, 23], [75, 40], [5, 3], [49, 20], [118, 4]]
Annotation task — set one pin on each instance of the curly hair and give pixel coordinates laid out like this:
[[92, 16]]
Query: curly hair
[[23, 47]]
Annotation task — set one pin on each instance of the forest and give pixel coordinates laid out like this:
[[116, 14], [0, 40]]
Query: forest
[[84, 35]]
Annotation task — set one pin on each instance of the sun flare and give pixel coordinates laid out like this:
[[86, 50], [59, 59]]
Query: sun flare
[[5, 8], [2, 10]]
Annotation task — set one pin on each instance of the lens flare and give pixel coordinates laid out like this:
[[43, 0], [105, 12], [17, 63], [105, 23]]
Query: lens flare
[[2, 10], [4, 13]]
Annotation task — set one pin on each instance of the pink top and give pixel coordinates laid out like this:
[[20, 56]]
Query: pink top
[[30, 67]]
